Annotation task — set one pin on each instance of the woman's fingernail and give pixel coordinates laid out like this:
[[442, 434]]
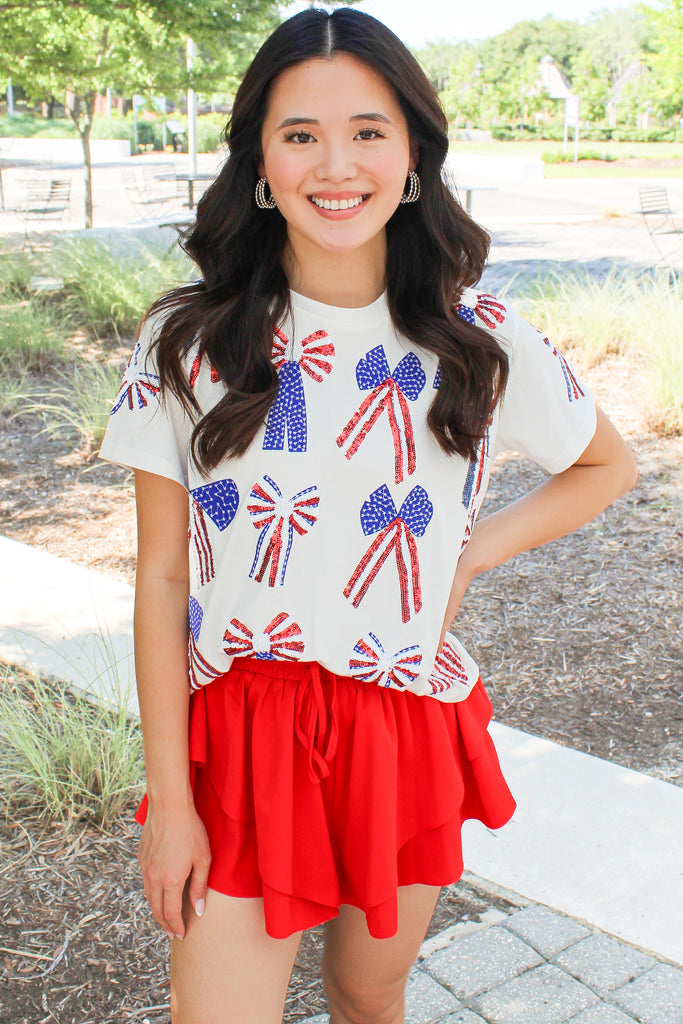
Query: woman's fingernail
[[178, 937], [199, 907], [170, 935]]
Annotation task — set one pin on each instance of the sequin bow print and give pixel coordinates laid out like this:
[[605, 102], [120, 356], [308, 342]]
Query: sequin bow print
[[472, 487], [219, 501], [448, 670], [201, 672], [374, 665], [137, 386], [281, 640], [388, 391], [311, 356], [196, 367], [574, 389], [396, 531], [274, 514], [487, 308]]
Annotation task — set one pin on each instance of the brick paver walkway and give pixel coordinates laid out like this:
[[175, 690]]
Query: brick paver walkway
[[535, 966]]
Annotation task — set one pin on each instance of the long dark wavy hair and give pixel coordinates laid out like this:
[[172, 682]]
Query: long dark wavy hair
[[434, 251]]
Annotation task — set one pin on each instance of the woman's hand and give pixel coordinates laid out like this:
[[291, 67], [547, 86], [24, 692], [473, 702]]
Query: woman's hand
[[173, 846]]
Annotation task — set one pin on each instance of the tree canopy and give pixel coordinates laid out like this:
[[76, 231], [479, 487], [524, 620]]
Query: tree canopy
[[84, 47], [496, 79]]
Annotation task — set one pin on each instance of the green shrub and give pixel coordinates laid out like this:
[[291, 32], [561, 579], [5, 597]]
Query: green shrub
[[114, 127], [69, 757], [502, 132], [657, 342], [27, 125], [14, 388], [78, 404], [597, 133], [555, 156], [655, 134], [580, 311], [16, 271], [640, 315], [29, 335], [108, 287]]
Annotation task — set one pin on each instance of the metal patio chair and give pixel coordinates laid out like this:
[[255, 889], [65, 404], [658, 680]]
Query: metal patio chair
[[664, 228], [151, 195], [43, 210]]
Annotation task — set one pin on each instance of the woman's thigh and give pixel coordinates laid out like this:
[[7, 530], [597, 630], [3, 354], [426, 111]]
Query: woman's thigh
[[365, 977], [227, 969]]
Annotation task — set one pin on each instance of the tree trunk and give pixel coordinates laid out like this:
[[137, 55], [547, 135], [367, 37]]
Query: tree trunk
[[81, 111], [87, 172]]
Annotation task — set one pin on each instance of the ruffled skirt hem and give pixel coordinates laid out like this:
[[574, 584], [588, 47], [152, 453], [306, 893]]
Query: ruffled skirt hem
[[319, 790]]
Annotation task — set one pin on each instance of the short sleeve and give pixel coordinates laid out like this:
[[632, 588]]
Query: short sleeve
[[144, 431], [546, 413]]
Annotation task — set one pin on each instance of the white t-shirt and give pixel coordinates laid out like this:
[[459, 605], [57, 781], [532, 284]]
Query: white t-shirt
[[336, 536]]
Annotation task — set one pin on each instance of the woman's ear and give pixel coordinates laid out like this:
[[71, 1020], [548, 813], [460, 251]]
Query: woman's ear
[[260, 167], [414, 157]]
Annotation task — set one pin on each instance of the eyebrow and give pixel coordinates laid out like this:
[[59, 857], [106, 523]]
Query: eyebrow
[[289, 121]]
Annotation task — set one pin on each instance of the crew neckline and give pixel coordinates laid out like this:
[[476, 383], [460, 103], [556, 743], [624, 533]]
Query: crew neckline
[[351, 316]]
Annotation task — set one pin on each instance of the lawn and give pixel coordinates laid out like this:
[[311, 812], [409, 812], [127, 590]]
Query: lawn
[[619, 157]]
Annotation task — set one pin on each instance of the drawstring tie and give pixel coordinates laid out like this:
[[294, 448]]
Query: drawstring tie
[[316, 721]]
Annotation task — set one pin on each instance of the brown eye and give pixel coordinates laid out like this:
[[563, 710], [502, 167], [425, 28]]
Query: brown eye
[[299, 137]]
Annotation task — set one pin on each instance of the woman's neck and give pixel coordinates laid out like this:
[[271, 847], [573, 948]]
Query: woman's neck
[[350, 279]]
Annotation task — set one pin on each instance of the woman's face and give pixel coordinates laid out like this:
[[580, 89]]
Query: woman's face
[[336, 152]]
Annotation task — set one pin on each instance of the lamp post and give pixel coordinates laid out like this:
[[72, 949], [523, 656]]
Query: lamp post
[[479, 77], [191, 112]]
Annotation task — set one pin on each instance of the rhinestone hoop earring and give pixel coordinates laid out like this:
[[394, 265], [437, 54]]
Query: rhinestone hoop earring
[[413, 193], [261, 201]]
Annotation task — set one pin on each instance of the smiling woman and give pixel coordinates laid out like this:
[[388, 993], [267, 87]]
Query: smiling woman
[[312, 426], [334, 164]]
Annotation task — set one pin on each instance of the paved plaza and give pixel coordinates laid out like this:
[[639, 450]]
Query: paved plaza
[[591, 223], [535, 966]]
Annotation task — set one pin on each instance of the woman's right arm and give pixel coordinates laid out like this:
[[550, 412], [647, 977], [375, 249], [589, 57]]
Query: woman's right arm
[[173, 844]]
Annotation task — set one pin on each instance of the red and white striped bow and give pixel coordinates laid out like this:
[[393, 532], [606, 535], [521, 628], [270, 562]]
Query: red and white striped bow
[[285, 644], [448, 669], [374, 665], [395, 537], [270, 513], [574, 389], [490, 310], [201, 672], [199, 533], [390, 392], [396, 531], [315, 360], [196, 367], [387, 396]]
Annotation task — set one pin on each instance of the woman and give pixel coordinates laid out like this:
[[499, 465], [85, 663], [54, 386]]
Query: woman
[[331, 394]]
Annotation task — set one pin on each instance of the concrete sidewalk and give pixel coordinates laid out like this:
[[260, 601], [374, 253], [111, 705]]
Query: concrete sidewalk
[[592, 855]]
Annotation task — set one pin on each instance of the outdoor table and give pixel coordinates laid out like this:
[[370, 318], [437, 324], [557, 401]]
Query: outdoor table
[[190, 179], [469, 189]]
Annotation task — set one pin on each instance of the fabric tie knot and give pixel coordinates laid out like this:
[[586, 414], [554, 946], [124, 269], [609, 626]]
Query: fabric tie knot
[[316, 722]]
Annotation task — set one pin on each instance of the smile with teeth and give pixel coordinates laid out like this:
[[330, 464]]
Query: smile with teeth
[[338, 204]]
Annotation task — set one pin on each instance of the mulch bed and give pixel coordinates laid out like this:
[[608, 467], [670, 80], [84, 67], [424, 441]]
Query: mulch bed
[[579, 642], [79, 945]]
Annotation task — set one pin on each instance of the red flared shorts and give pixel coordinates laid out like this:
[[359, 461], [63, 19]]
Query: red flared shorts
[[318, 790]]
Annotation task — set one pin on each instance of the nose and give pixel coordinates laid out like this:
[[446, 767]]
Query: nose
[[336, 162]]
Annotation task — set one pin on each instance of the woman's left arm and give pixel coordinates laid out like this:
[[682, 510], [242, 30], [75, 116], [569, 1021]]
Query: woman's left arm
[[605, 470]]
